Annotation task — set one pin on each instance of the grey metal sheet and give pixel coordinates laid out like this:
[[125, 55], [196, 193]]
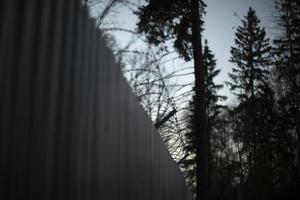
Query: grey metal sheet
[[70, 126]]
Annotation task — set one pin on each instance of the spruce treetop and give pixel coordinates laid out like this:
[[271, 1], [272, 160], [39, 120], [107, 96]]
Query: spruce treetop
[[251, 57]]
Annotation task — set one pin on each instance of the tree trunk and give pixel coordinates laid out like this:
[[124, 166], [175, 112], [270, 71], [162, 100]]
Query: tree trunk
[[200, 122]]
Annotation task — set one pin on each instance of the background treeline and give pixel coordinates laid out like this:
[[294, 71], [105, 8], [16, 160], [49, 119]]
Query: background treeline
[[256, 138]]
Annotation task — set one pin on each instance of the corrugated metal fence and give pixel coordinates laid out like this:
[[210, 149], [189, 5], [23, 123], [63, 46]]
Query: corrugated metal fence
[[70, 127]]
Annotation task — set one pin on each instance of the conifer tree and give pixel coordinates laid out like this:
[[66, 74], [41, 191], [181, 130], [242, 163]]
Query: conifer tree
[[251, 56], [181, 22], [214, 109], [249, 80]]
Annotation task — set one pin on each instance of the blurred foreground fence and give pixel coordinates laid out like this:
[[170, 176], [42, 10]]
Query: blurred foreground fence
[[70, 127]]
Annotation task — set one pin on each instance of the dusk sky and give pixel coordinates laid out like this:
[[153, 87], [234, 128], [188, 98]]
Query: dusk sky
[[221, 19], [220, 23]]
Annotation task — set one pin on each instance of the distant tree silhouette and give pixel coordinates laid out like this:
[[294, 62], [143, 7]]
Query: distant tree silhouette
[[249, 82], [251, 56]]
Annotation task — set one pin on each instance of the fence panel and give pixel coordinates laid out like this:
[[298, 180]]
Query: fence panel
[[70, 127]]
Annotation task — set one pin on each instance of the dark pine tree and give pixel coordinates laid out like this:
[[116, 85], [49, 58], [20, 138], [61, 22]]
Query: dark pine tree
[[181, 21], [214, 109]]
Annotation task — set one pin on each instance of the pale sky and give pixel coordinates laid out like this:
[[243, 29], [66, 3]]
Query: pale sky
[[222, 16]]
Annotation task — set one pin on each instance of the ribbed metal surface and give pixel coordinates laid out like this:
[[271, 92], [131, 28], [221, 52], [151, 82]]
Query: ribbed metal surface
[[70, 127]]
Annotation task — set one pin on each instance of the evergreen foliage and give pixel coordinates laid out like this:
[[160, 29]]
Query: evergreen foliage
[[251, 55], [166, 20], [180, 22], [257, 139], [249, 82]]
